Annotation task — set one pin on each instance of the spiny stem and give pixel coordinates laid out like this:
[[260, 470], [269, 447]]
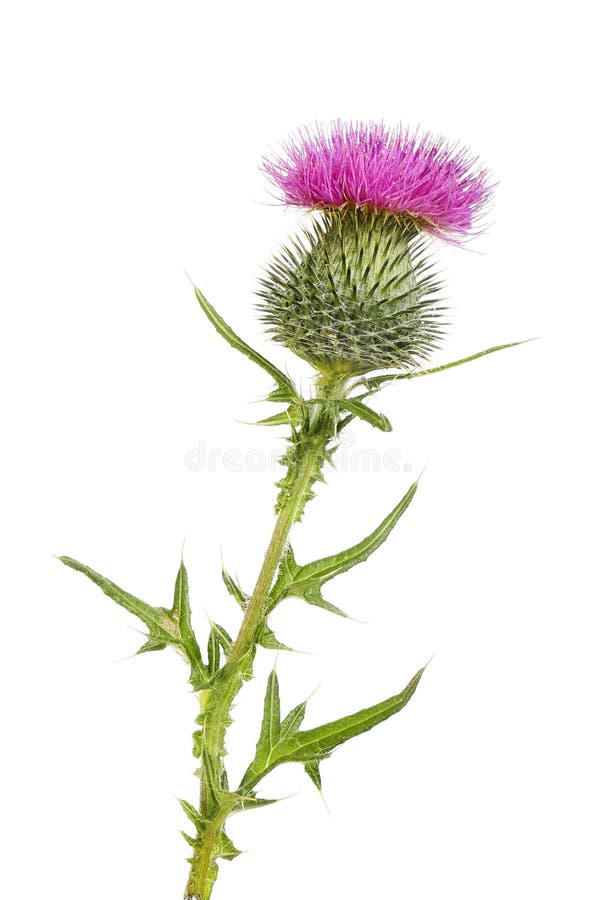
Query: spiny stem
[[217, 702], [246, 635]]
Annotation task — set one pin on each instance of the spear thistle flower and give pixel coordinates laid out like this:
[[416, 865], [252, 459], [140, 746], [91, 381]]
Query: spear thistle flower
[[438, 185], [357, 292]]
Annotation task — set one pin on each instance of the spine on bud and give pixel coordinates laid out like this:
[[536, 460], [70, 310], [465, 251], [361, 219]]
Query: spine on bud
[[355, 294]]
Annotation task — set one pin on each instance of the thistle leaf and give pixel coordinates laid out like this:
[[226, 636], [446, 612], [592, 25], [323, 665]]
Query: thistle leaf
[[224, 639], [359, 409], [285, 389], [312, 770], [270, 726], [314, 597], [306, 581], [213, 652], [287, 579], [281, 395], [243, 802], [219, 639], [225, 848], [293, 721], [190, 840], [292, 415], [166, 627], [234, 590], [198, 743], [378, 381], [193, 815], [281, 418], [266, 638], [162, 628], [181, 613], [315, 744], [270, 733], [150, 645]]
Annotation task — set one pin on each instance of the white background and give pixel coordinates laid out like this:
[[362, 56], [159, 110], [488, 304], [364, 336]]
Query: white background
[[132, 139]]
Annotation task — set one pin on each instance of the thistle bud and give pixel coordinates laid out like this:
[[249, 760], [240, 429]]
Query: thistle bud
[[355, 294], [357, 291]]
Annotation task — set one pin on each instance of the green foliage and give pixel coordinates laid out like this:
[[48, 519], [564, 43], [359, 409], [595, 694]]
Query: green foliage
[[356, 407], [310, 747], [306, 456], [355, 295], [378, 381], [220, 847], [165, 626], [264, 637], [285, 391], [224, 846], [234, 590], [306, 581]]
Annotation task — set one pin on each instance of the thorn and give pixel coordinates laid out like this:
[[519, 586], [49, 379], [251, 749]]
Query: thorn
[[302, 652], [325, 803], [429, 660], [357, 621], [313, 692], [122, 659]]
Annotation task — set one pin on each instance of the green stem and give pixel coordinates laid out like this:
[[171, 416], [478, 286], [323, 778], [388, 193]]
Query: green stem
[[203, 865], [245, 640], [217, 703]]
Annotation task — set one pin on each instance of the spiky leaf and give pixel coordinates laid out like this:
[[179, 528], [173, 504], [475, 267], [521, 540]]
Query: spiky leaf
[[270, 724], [311, 746], [285, 388], [293, 721], [378, 381], [266, 638], [234, 590], [225, 847], [193, 814], [151, 645], [213, 652], [244, 802], [165, 626], [292, 415], [181, 613], [312, 770], [157, 619], [357, 408], [306, 581], [224, 639]]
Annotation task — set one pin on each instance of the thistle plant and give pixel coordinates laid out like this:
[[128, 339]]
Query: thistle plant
[[356, 295]]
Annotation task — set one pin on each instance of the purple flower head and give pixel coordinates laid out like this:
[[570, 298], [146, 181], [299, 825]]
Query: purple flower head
[[348, 164]]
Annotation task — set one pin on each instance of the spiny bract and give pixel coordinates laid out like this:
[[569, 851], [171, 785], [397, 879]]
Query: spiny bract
[[354, 294]]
